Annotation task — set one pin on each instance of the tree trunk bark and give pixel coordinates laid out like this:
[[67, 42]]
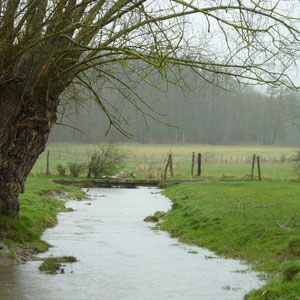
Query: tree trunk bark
[[24, 130]]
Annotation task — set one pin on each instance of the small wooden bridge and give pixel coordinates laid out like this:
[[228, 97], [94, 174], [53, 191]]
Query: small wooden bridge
[[128, 183]]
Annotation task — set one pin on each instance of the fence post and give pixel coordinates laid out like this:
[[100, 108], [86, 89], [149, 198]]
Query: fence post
[[171, 165], [166, 167], [199, 164], [48, 157], [253, 164], [258, 167], [193, 163]]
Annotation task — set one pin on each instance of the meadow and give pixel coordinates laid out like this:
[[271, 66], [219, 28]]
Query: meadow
[[227, 162]]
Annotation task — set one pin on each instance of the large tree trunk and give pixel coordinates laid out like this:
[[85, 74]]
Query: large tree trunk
[[24, 131]]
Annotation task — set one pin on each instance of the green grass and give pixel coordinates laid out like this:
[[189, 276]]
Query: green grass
[[218, 161], [52, 265], [258, 222], [37, 212], [150, 152]]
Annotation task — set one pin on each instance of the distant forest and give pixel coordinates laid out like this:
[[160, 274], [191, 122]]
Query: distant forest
[[197, 111]]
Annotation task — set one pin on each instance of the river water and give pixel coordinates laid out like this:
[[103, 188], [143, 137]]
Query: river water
[[120, 257]]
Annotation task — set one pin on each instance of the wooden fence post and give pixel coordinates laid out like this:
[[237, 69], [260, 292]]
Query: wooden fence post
[[253, 164], [48, 158], [171, 165], [166, 167], [199, 164], [258, 167], [193, 164]]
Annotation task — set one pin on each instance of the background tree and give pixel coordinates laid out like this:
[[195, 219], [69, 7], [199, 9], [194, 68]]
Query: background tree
[[48, 46], [203, 113]]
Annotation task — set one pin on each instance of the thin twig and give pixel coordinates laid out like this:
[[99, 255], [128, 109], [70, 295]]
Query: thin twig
[[283, 227]]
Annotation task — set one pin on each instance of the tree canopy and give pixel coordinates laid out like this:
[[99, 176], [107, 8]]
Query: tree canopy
[[56, 40]]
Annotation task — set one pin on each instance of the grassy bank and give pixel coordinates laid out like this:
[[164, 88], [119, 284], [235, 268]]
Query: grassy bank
[[258, 222], [38, 210]]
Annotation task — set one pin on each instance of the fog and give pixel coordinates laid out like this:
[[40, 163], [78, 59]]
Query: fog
[[193, 110]]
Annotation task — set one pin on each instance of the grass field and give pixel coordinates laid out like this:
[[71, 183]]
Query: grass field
[[258, 222], [218, 161]]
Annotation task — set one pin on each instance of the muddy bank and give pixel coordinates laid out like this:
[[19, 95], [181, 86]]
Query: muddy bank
[[15, 255]]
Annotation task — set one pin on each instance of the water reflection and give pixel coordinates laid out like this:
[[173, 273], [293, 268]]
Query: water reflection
[[121, 258]]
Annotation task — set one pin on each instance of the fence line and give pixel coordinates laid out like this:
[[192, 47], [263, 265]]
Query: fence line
[[152, 158]]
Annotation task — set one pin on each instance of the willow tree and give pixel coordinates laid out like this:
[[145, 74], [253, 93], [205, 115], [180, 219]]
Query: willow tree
[[45, 46]]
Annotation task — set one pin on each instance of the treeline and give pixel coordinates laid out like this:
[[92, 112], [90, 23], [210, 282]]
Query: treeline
[[199, 112]]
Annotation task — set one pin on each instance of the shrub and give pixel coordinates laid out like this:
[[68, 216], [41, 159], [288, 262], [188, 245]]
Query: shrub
[[106, 161], [76, 168], [61, 170]]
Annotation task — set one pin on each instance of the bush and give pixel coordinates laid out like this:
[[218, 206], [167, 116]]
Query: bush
[[106, 161], [76, 168], [61, 170], [296, 160]]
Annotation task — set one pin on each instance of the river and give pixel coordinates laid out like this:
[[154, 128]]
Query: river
[[121, 257]]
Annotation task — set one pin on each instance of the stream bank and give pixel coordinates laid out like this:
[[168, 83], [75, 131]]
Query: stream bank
[[39, 206], [258, 222]]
